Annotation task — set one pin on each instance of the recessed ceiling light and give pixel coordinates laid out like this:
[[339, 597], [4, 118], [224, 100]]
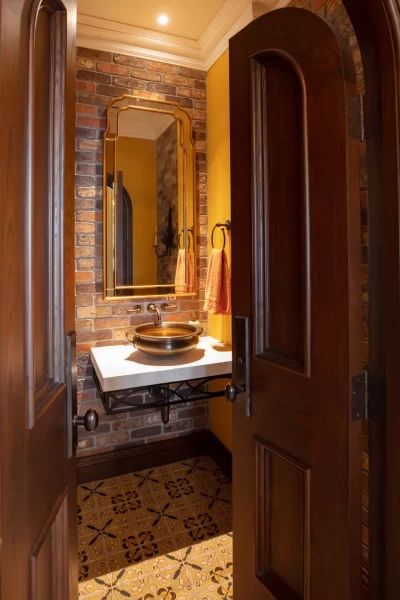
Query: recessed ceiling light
[[163, 19]]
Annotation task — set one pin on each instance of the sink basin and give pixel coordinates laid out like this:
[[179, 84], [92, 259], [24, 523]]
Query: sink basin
[[165, 339]]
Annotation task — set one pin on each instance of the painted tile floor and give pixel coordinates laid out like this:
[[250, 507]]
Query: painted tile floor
[[158, 534]]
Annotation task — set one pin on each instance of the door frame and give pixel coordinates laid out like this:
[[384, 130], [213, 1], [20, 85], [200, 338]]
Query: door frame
[[377, 26]]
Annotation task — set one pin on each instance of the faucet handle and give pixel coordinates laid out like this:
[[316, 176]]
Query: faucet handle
[[165, 306], [136, 309]]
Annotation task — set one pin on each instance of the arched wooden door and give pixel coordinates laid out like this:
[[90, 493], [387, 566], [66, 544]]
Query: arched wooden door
[[38, 522], [296, 305]]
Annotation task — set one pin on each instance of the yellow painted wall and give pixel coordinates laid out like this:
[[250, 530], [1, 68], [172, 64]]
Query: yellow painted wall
[[137, 159], [219, 209]]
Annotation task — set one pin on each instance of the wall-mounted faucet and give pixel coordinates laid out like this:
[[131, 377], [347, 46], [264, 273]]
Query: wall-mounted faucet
[[152, 308]]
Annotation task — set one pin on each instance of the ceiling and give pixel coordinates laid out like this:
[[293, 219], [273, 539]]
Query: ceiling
[[197, 33], [141, 124], [186, 19]]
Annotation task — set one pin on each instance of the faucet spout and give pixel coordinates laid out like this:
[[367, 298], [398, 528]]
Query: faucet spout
[[154, 309]]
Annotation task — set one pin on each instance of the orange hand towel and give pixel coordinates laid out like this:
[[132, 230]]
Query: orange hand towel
[[218, 284], [180, 275]]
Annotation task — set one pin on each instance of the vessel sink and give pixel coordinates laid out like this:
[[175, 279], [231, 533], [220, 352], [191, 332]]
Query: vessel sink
[[165, 339]]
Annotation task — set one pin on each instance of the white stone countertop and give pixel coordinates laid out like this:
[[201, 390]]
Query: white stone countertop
[[123, 367]]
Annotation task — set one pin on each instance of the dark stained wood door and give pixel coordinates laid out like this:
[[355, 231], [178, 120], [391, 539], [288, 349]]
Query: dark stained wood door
[[296, 276], [38, 491]]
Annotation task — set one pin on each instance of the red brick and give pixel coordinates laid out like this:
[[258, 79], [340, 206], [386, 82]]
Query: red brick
[[112, 322], [86, 240], [131, 61], [84, 325], [83, 215], [93, 336], [193, 73], [85, 86], [89, 144], [84, 227], [96, 99], [91, 312], [83, 300], [129, 82], [84, 204], [86, 264], [112, 68], [146, 75], [153, 65], [91, 122], [184, 102], [86, 276], [191, 93], [162, 88], [112, 90], [93, 76], [86, 192], [178, 80], [82, 349], [85, 109], [85, 63], [85, 169]]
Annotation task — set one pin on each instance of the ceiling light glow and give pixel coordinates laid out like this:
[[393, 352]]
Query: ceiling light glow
[[163, 20]]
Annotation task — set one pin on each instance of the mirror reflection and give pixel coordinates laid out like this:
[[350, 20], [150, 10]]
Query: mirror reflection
[[149, 195]]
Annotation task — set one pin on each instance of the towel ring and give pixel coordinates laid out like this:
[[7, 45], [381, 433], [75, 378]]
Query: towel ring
[[212, 236]]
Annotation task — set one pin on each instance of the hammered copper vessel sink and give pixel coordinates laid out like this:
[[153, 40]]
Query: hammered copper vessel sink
[[165, 339]]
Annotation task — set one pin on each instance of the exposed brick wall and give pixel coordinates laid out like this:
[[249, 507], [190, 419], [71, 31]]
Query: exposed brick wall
[[167, 197], [102, 76], [334, 12]]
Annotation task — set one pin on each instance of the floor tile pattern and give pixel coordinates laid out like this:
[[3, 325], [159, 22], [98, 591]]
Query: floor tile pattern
[[158, 534]]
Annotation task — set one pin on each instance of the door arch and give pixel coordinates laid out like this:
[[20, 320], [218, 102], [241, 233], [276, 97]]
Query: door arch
[[376, 23]]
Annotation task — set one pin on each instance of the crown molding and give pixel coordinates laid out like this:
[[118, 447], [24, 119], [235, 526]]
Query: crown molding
[[111, 36]]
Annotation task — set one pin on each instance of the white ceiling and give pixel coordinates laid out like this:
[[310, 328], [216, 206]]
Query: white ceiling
[[186, 19], [197, 33]]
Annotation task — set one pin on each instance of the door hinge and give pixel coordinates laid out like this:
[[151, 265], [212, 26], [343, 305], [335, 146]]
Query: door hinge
[[368, 398]]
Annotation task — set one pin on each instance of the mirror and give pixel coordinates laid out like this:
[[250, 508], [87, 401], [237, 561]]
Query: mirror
[[149, 200]]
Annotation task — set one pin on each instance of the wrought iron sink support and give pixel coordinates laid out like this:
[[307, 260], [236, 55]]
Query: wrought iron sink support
[[165, 397]]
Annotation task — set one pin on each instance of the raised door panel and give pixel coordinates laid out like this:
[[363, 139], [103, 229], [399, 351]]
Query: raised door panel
[[280, 214], [282, 543], [44, 212], [49, 558]]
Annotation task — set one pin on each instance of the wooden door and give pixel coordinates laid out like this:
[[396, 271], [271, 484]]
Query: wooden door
[[38, 492], [296, 277]]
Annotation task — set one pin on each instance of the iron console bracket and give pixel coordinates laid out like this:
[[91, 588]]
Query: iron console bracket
[[165, 397]]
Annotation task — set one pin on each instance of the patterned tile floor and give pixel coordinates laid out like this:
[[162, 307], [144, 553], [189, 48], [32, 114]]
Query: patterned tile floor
[[158, 534]]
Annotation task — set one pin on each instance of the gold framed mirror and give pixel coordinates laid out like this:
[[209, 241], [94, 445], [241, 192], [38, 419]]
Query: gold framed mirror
[[149, 198]]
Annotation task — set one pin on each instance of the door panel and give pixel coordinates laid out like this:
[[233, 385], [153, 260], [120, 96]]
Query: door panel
[[38, 487], [281, 203], [296, 274]]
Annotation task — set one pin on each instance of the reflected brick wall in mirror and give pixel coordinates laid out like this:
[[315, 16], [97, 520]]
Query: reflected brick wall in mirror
[[102, 76]]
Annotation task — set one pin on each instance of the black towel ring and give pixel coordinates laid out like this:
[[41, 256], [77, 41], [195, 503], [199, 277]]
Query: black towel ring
[[212, 236]]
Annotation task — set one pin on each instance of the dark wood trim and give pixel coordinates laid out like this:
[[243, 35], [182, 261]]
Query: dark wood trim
[[156, 454]]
